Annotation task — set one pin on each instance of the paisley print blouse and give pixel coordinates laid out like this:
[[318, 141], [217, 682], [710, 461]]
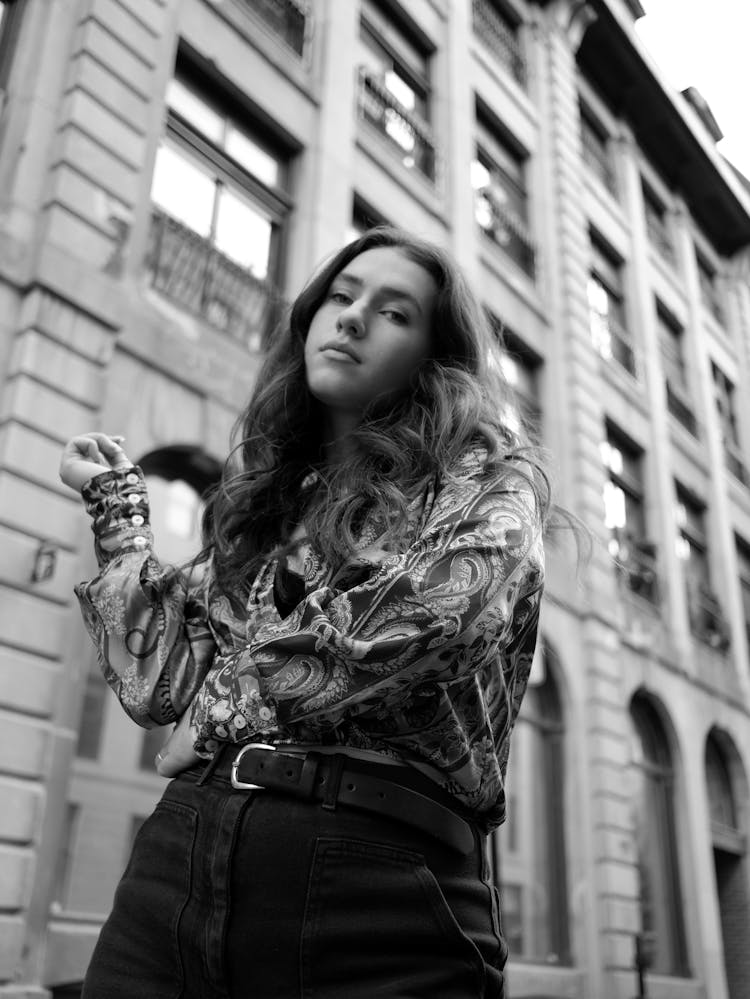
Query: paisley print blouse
[[420, 655]]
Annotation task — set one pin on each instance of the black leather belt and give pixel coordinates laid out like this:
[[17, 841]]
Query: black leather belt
[[340, 780]]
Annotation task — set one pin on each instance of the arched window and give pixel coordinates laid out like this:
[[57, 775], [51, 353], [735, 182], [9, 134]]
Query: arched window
[[653, 806], [528, 851], [724, 778]]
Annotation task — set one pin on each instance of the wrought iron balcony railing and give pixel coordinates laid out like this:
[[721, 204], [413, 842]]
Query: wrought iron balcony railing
[[190, 271], [407, 132], [501, 38], [287, 18]]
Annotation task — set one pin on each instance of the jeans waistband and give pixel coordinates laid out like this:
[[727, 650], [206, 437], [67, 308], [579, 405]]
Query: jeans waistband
[[339, 780]]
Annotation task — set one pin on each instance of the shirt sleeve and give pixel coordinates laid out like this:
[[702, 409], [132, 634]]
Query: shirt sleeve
[[440, 610], [148, 622]]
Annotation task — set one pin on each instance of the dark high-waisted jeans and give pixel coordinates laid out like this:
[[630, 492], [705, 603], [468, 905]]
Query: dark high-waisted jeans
[[257, 895]]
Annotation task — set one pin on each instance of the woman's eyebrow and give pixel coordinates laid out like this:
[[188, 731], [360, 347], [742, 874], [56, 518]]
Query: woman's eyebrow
[[387, 290]]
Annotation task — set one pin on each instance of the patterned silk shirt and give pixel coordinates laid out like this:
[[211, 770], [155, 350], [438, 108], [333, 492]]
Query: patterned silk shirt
[[420, 655]]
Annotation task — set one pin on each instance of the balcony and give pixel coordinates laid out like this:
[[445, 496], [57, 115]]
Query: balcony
[[191, 272], [405, 131], [500, 35], [288, 19]]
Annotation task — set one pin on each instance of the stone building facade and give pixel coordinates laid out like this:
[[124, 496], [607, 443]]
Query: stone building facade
[[170, 172]]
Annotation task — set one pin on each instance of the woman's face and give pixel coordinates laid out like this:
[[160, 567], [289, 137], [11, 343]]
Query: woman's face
[[370, 334]]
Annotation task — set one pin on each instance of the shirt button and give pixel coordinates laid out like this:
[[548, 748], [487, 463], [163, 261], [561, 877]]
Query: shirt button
[[136, 520], [134, 498], [131, 478], [239, 721], [139, 541]]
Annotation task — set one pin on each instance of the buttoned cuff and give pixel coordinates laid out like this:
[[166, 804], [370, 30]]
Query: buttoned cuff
[[117, 502]]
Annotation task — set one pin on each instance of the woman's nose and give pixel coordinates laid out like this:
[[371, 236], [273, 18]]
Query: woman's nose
[[350, 320]]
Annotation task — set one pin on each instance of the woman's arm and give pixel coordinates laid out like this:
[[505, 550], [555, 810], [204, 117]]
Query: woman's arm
[[149, 625], [435, 613]]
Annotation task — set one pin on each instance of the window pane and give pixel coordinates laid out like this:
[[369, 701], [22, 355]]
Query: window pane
[[243, 234], [176, 509], [195, 110], [91, 725], [183, 190], [260, 164]]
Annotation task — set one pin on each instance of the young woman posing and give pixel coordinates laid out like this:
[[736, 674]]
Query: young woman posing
[[345, 667]]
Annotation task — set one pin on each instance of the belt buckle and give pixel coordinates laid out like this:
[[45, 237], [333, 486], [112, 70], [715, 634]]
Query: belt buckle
[[236, 782]]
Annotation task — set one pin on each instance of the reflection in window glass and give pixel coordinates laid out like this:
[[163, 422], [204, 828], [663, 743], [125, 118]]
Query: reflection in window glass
[[242, 233], [190, 106], [183, 190], [176, 510], [242, 148]]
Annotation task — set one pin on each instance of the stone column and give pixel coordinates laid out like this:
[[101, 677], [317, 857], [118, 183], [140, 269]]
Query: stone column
[[606, 854]]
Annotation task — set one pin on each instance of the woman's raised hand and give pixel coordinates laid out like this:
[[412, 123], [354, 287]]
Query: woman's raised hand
[[91, 454]]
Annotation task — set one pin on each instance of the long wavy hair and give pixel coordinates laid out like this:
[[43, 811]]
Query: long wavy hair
[[456, 398]]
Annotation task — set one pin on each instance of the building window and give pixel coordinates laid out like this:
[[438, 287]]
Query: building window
[[706, 617], [709, 290], [520, 369], [606, 298], [499, 29], [501, 200], [671, 340], [743, 562], [528, 851], [657, 225], [726, 408], [394, 89], [219, 201], [91, 723], [288, 19], [10, 11], [625, 514], [596, 145], [654, 821], [364, 217]]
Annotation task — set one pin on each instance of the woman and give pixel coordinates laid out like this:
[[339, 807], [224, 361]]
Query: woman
[[345, 668]]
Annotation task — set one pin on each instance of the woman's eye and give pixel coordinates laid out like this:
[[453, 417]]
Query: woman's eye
[[395, 317], [340, 297]]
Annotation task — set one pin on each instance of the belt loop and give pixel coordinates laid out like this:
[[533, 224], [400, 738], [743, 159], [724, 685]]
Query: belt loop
[[211, 766], [338, 762]]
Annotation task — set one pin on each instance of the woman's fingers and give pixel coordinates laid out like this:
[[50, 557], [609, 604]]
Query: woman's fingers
[[91, 454]]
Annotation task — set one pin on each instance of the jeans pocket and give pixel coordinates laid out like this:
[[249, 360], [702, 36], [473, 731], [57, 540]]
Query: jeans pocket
[[376, 922]]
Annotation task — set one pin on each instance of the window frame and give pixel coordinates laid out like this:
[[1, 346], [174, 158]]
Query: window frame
[[607, 271], [506, 162]]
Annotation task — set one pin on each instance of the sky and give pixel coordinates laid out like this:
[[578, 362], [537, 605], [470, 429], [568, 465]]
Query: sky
[[707, 46]]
